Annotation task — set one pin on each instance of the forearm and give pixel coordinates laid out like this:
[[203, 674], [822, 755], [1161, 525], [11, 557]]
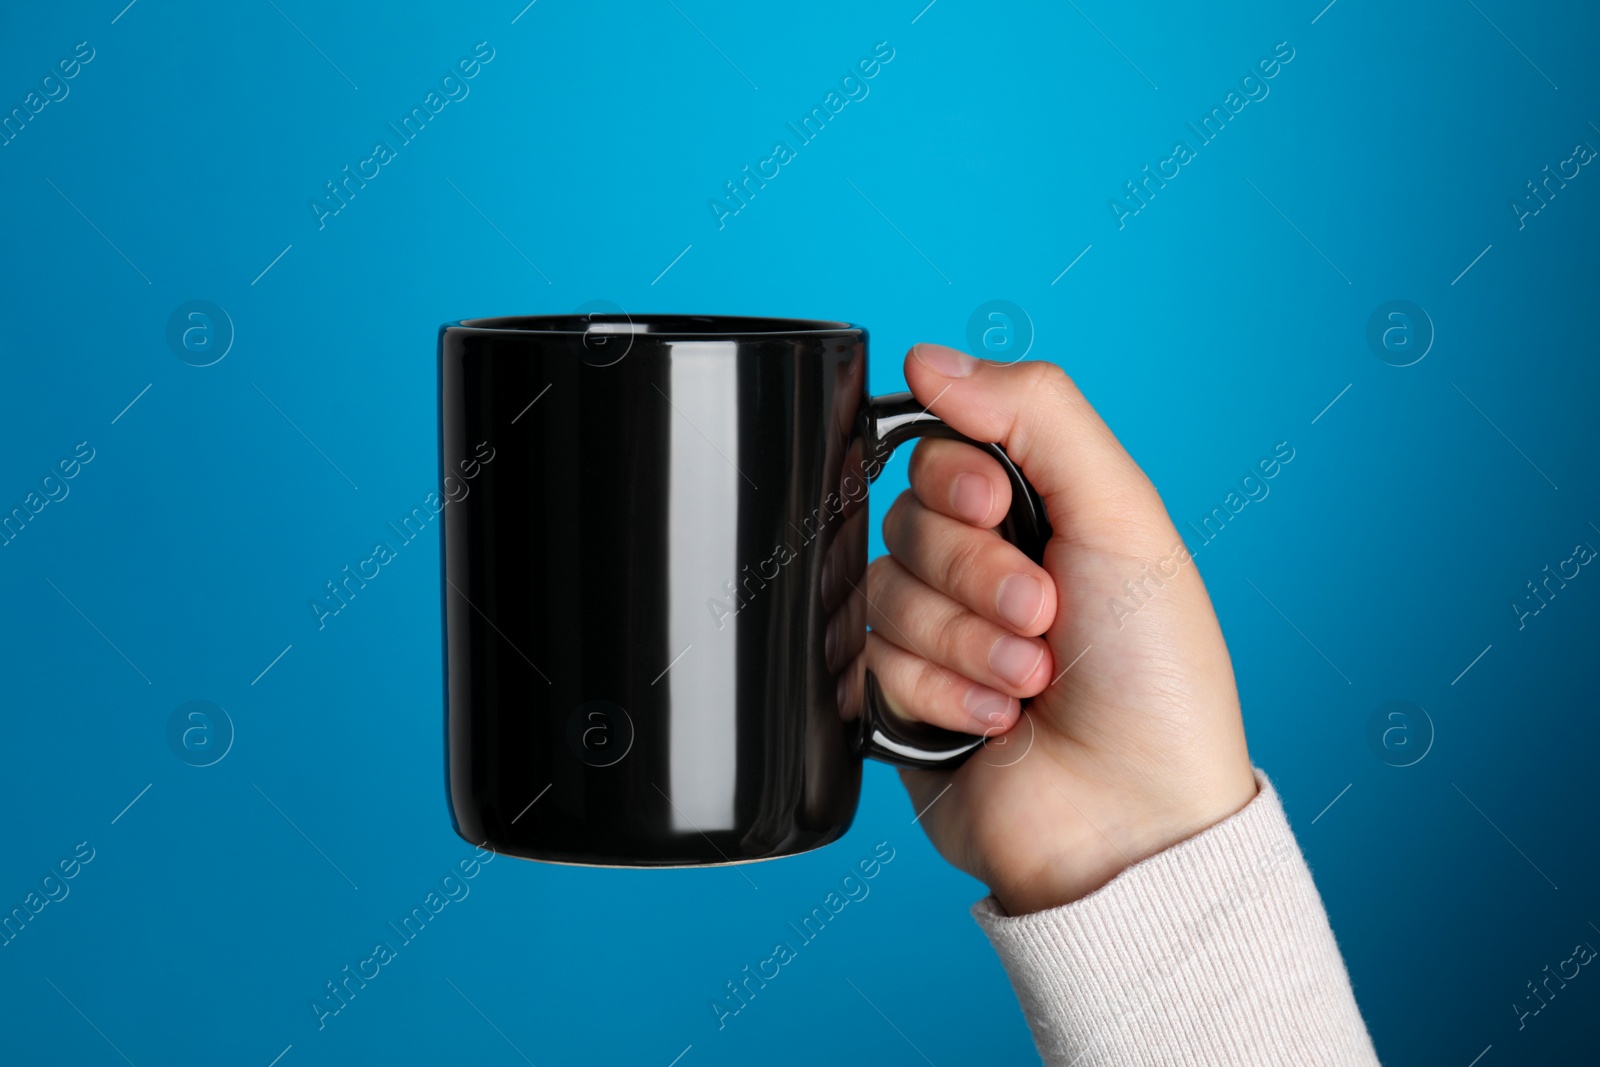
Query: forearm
[[1214, 951]]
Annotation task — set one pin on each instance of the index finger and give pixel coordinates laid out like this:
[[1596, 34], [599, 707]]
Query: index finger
[[1094, 492]]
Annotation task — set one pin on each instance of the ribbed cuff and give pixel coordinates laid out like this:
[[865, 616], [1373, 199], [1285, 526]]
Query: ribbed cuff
[[1214, 951]]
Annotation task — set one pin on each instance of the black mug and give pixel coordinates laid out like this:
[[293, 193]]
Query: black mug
[[654, 564]]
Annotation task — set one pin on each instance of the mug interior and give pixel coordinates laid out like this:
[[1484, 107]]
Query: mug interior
[[659, 325]]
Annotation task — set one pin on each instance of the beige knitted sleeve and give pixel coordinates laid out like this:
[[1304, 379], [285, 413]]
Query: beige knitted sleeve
[[1215, 951]]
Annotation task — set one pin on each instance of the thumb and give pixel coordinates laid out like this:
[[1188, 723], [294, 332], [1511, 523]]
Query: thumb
[[1094, 492]]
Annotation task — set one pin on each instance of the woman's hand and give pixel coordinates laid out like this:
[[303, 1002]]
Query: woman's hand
[[1133, 740]]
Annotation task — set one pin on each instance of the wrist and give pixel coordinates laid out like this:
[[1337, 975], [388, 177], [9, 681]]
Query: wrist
[[1074, 868], [1053, 888]]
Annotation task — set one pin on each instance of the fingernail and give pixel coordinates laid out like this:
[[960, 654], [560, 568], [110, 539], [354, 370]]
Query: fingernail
[[1015, 658], [972, 497], [1020, 600], [987, 707], [830, 640], [945, 361], [841, 692]]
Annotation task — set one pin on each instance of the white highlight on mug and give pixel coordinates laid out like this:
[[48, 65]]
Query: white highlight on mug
[[703, 721]]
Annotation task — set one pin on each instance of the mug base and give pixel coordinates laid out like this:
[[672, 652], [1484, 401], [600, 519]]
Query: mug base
[[571, 859]]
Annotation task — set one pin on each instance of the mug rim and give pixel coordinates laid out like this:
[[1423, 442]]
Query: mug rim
[[658, 325]]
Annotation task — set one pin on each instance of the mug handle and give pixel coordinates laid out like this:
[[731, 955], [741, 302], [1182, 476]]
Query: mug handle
[[892, 420]]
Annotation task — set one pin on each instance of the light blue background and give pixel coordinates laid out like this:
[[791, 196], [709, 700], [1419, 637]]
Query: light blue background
[[1207, 330]]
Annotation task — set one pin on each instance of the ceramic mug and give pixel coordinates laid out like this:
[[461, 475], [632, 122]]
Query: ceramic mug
[[653, 583]]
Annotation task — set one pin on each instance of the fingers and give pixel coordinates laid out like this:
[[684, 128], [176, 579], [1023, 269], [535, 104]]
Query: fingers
[[846, 561], [909, 614], [1092, 489], [960, 481], [916, 690], [976, 568]]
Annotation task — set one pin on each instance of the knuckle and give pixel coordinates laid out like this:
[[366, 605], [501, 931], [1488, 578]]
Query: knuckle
[[928, 689], [1053, 388], [950, 636], [879, 573], [958, 644], [894, 519], [962, 562], [1051, 375], [874, 658], [917, 465]]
